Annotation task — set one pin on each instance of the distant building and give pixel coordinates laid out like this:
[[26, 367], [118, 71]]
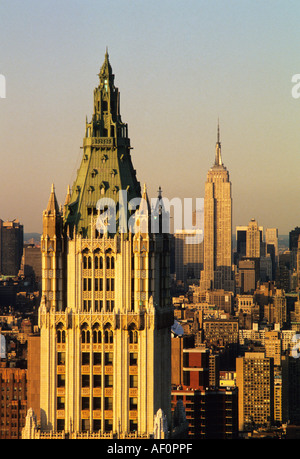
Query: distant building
[[217, 267], [249, 274], [241, 238], [254, 239], [11, 247], [271, 238], [293, 246], [210, 411], [188, 255], [13, 387], [31, 263], [255, 382]]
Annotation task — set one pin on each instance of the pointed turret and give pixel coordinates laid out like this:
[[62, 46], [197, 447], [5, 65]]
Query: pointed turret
[[52, 203], [143, 214], [52, 217]]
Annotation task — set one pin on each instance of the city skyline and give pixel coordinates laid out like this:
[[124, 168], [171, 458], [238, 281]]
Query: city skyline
[[179, 68]]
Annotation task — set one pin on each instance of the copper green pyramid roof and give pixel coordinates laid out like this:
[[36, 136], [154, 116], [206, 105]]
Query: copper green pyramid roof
[[106, 167]]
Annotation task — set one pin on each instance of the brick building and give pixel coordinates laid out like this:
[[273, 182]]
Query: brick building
[[13, 406]]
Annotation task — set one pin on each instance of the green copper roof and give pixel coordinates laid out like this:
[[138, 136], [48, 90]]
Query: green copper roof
[[106, 167]]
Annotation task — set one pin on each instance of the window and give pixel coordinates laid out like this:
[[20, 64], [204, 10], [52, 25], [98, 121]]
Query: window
[[108, 381], [61, 358], [85, 380], [108, 358], [61, 381], [61, 334], [133, 358], [97, 336], [133, 381], [97, 358], [108, 336], [60, 403], [108, 403], [85, 358], [85, 335], [97, 403], [97, 380], [133, 336], [85, 403], [133, 403]]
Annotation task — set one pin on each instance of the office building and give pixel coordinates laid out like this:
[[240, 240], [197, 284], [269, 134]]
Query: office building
[[11, 247], [217, 265], [13, 406], [254, 239], [255, 382]]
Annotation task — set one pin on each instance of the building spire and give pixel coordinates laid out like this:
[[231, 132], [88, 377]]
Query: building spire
[[218, 158], [52, 203]]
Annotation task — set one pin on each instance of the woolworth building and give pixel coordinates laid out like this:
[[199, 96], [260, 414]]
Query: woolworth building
[[105, 316]]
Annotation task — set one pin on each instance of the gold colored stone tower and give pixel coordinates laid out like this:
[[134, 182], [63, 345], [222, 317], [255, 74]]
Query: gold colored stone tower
[[105, 314]]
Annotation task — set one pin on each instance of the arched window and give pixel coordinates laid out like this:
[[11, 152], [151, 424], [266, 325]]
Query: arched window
[[133, 336], [60, 334], [108, 336], [97, 335], [84, 262], [85, 334], [110, 260], [98, 261]]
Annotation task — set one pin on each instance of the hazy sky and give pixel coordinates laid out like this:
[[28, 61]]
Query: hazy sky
[[179, 65]]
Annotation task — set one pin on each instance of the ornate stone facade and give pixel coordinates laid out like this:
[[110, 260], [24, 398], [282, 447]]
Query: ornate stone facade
[[105, 314]]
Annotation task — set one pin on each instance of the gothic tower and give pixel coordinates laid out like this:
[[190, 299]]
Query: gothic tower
[[217, 266], [105, 314]]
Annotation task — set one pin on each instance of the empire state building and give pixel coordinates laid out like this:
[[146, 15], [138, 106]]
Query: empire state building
[[217, 272]]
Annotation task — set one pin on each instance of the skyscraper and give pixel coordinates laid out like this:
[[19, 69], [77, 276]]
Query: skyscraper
[[217, 273], [254, 239], [11, 247], [255, 381], [105, 314]]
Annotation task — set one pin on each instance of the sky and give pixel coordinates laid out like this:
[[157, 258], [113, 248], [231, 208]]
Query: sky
[[180, 65]]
